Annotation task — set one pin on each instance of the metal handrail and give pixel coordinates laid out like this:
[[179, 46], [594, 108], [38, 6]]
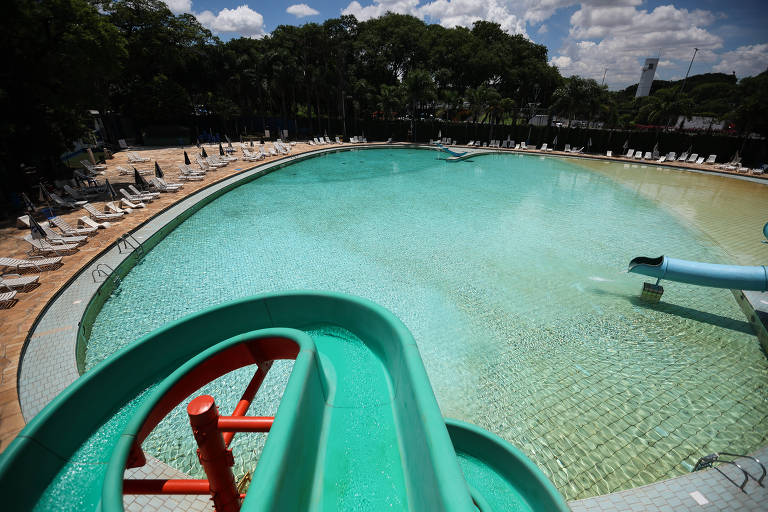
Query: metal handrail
[[709, 461], [129, 240], [99, 271]]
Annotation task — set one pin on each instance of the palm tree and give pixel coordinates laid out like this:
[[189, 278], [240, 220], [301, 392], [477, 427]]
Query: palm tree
[[567, 98], [507, 107], [418, 87], [664, 106], [390, 99]]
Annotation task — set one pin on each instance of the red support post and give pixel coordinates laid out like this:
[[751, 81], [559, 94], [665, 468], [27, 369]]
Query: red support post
[[213, 454], [247, 397], [232, 424], [163, 486]]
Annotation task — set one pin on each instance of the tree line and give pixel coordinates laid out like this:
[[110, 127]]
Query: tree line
[[136, 59]]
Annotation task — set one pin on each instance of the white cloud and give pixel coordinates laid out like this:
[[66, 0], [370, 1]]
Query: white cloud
[[451, 13], [543, 29], [448, 13], [380, 8], [301, 10], [179, 6], [620, 37], [241, 20], [513, 16], [744, 60]]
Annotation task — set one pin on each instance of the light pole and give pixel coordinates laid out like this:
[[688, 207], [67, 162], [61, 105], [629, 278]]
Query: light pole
[[682, 86], [604, 73]]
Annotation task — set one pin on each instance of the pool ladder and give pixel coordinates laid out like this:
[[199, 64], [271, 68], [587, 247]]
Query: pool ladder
[[128, 241], [102, 269], [709, 461]]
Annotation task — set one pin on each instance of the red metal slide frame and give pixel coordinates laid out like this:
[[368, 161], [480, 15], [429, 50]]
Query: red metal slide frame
[[213, 433]]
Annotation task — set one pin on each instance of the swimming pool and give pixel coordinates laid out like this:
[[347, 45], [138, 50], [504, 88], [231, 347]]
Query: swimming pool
[[508, 269]]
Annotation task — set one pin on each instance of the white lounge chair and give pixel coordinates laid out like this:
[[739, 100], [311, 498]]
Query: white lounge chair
[[64, 203], [630, 153], [16, 282], [692, 158], [185, 174], [683, 157], [164, 187], [69, 230], [33, 264], [112, 207], [216, 161], [93, 169], [211, 163], [7, 299], [133, 197], [130, 205], [134, 157], [647, 156], [671, 156], [661, 159], [177, 186], [101, 216], [55, 238], [700, 160], [143, 193], [638, 155], [544, 147], [87, 221], [79, 195], [129, 172], [710, 159], [607, 153], [122, 143], [41, 246]]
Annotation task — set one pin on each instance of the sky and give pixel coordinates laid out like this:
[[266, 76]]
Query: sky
[[592, 38]]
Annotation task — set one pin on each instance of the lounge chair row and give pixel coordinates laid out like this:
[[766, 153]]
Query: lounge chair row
[[319, 141], [669, 157]]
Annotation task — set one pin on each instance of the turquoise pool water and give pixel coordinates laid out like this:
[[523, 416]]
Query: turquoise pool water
[[509, 271]]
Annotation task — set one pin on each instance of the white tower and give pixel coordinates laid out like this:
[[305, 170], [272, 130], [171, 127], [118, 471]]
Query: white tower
[[646, 78]]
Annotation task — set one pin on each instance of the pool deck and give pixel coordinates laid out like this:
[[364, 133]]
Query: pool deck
[[23, 328]]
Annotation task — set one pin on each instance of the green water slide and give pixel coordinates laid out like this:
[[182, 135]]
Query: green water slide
[[358, 427]]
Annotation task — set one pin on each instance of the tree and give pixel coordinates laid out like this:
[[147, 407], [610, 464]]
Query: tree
[[60, 57], [664, 107], [752, 113], [417, 87], [577, 97], [390, 99]]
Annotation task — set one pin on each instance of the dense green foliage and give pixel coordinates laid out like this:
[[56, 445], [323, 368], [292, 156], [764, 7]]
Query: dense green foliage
[[135, 60]]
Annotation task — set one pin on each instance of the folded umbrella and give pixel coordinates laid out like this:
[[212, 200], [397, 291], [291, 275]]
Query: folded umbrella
[[203, 153], [186, 159], [221, 150], [28, 204], [111, 194], [158, 170], [36, 229], [141, 183]]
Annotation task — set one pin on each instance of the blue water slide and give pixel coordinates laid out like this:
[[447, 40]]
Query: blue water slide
[[453, 153], [734, 277]]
